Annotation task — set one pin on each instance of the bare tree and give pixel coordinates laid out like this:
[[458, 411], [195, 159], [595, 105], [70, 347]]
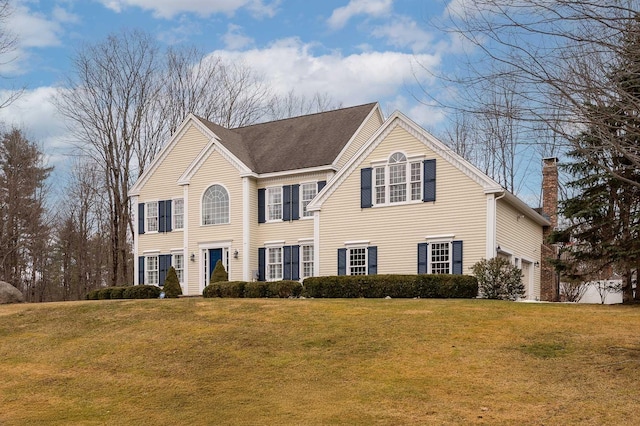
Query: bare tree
[[555, 56], [109, 100], [292, 104], [8, 44]]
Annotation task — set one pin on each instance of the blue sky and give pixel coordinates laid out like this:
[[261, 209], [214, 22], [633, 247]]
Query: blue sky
[[357, 51]]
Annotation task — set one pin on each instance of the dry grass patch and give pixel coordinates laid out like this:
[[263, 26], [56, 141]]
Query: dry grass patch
[[226, 361]]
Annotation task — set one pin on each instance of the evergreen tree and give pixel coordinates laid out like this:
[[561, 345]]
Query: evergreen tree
[[171, 284], [604, 209], [219, 273]]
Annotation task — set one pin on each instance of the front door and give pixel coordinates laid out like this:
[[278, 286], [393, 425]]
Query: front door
[[214, 256]]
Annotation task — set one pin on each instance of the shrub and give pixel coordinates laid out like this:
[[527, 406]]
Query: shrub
[[256, 289], [396, 286], [498, 279], [93, 294], [219, 273], [141, 292], [171, 286], [283, 289], [117, 292]]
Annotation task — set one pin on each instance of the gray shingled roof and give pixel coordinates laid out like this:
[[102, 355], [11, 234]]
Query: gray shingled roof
[[294, 143]]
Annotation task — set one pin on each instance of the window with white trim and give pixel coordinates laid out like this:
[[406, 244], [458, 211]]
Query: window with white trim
[[178, 213], [274, 264], [178, 264], [307, 260], [274, 203], [398, 181], [357, 261], [215, 205], [307, 192], [151, 216], [440, 258], [151, 270]]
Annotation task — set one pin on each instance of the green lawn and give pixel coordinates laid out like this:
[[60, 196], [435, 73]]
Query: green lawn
[[303, 362]]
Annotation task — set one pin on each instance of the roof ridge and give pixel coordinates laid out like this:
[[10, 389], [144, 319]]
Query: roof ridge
[[304, 115]]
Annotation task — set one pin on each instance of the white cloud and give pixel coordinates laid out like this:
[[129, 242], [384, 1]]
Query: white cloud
[[169, 8], [235, 39], [34, 112], [404, 32], [354, 79], [341, 15]]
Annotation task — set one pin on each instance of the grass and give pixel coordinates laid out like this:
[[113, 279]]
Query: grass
[[357, 362]]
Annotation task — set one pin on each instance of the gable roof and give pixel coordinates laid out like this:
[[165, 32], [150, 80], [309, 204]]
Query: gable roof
[[398, 119], [303, 142]]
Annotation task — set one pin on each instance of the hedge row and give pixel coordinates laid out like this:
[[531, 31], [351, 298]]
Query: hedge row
[[126, 292], [282, 289], [395, 286]]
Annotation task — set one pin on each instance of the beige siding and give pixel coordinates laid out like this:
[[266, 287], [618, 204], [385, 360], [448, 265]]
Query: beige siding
[[460, 210], [215, 170], [368, 129], [162, 185], [519, 236]]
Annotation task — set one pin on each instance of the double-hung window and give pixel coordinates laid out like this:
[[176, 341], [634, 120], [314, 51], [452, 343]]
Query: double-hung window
[[308, 192], [178, 265], [399, 180], [357, 261], [274, 203], [307, 261], [440, 258], [178, 213], [152, 270], [152, 216], [274, 263]]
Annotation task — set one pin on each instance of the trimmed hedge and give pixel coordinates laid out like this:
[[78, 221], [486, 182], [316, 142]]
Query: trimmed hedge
[[395, 286], [125, 292], [255, 289]]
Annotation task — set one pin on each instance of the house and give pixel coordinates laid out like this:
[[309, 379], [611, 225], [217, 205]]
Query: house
[[338, 192]]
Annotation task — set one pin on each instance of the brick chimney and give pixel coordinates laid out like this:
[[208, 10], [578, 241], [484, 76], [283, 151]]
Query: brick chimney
[[549, 289]]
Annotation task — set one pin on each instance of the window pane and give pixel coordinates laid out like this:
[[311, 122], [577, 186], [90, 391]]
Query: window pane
[[307, 261], [178, 213], [274, 264], [215, 206], [379, 185], [440, 258], [309, 190], [274, 203], [152, 270], [357, 261], [152, 216], [178, 265]]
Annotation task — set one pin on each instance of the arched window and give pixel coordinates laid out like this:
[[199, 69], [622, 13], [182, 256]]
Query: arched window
[[215, 205], [398, 181]]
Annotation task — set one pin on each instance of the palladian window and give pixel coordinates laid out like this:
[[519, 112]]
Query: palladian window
[[215, 205]]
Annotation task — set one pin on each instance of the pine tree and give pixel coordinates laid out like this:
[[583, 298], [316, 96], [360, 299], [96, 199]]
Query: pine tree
[[604, 209], [219, 273], [171, 284]]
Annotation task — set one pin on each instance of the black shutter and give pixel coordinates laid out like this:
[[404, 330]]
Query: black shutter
[[261, 205], [295, 263], [164, 261], [140, 270], [429, 177], [342, 261], [321, 184], [372, 260], [161, 217], [457, 257], [141, 218], [261, 264], [286, 202], [295, 202], [167, 208], [423, 253], [286, 256], [365, 188]]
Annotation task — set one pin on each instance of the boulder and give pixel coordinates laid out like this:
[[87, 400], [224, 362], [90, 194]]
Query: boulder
[[10, 294]]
